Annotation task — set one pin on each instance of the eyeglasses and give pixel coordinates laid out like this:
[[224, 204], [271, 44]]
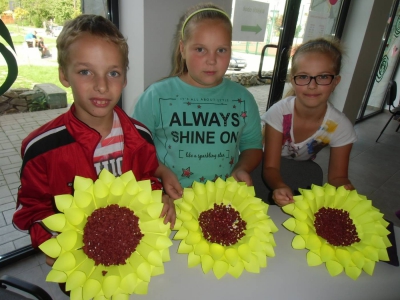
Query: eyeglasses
[[319, 79]]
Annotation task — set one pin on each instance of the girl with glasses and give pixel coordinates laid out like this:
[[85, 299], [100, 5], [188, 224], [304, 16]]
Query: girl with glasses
[[300, 125]]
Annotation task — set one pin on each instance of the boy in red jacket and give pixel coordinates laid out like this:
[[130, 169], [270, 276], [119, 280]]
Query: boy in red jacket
[[94, 134]]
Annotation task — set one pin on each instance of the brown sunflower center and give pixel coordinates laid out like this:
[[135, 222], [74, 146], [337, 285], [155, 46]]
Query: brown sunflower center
[[336, 226], [111, 234], [222, 224]]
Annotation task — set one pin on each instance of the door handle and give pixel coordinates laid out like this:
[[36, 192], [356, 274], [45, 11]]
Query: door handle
[[262, 60]]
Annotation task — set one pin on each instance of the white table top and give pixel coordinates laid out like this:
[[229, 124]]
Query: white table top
[[287, 276]]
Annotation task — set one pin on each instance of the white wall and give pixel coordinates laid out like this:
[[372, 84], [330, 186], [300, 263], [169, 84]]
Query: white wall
[[149, 27], [365, 25]]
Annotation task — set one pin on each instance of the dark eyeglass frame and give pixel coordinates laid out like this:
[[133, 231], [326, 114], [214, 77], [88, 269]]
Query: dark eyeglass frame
[[315, 79]]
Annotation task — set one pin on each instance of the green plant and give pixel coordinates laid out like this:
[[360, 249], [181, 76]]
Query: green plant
[[12, 65], [37, 104]]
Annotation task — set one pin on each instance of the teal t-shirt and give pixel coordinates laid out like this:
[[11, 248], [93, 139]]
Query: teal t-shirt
[[199, 132]]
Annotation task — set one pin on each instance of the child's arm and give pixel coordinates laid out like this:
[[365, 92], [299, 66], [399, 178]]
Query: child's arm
[[282, 194], [35, 202], [248, 161], [339, 165], [169, 181]]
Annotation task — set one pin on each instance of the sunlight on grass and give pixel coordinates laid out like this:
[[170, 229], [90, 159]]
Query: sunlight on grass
[[28, 76]]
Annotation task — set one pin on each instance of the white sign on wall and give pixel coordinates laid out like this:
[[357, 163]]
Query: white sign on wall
[[250, 21], [316, 24]]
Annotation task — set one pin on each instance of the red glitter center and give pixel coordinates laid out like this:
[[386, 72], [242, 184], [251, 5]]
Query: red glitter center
[[222, 224], [111, 234], [336, 226]]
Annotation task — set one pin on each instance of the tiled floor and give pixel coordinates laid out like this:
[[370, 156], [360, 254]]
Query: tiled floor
[[374, 170]]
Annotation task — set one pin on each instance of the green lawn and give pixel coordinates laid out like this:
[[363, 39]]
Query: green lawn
[[28, 76]]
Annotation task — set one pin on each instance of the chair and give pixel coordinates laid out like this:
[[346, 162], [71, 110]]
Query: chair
[[390, 97], [20, 285], [296, 174]]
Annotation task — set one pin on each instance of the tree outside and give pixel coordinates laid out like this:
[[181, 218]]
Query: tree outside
[[37, 13]]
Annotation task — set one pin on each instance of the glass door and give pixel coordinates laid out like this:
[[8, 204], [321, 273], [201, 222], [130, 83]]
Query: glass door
[[301, 21], [385, 67]]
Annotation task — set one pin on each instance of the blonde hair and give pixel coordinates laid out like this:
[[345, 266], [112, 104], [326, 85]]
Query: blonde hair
[[95, 25], [187, 23], [324, 45]]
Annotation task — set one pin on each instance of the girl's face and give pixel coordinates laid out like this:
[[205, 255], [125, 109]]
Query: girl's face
[[207, 53], [313, 64]]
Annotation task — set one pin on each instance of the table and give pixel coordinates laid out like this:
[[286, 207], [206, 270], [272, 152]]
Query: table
[[287, 276]]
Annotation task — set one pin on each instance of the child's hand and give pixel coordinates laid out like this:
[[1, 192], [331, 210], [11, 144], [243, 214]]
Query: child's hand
[[168, 212], [282, 196], [50, 261], [349, 187], [242, 176], [172, 186]]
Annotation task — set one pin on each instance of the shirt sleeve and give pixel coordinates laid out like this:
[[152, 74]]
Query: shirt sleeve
[[274, 116], [145, 110], [252, 136], [344, 134]]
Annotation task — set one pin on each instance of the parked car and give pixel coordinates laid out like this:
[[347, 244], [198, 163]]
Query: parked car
[[57, 30], [237, 63]]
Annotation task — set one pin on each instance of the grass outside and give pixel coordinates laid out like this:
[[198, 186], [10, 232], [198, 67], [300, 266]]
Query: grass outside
[[28, 76]]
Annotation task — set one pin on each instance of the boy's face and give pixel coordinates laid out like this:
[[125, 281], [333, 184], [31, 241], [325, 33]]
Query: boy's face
[[96, 74]]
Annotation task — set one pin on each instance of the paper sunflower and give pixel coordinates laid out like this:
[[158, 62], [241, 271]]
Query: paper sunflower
[[340, 228], [224, 227], [111, 238]]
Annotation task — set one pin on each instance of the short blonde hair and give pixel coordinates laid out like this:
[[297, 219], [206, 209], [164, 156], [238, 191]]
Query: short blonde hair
[[95, 25]]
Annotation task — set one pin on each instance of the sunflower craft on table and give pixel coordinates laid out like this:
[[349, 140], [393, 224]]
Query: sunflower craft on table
[[339, 228], [224, 227], [111, 238]]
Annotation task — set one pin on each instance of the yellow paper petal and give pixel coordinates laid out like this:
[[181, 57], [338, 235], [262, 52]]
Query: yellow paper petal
[[63, 201], [142, 267], [353, 272], [193, 238], [55, 222], [82, 183], [232, 256], [202, 248], [85, 203], [56, 276], [152, 255], [327, 252], [216, 251], [237, 269], [193, 260], [111, 281], [75, 280], [313, 242], [252, 266], [369, 267], [142, 288], [245, 252], [334, 268], [290, 224], [358, 259], [220, 268], [51, 247], [344, 257], [157, 241], [65, 262], [298, 242], [70, 240], [207, 263], [313, 259]]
